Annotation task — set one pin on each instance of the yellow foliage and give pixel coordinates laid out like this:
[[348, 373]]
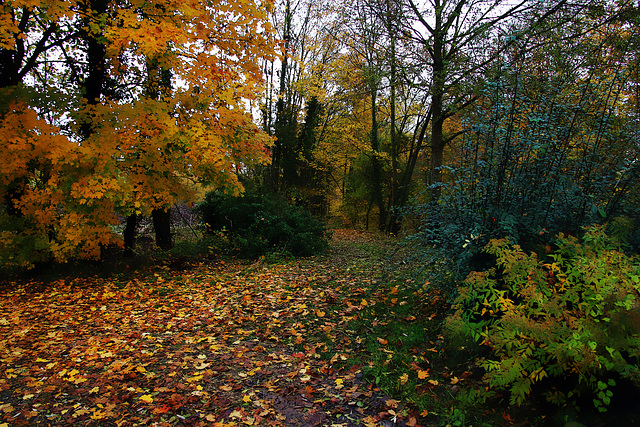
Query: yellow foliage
[[146, 153]]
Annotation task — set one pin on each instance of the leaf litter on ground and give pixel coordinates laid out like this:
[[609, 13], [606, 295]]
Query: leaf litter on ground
[[223, 343]]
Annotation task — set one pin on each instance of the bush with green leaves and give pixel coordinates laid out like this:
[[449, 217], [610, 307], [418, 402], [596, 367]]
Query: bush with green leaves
[[261, 224], [573, 316], [544, 150]]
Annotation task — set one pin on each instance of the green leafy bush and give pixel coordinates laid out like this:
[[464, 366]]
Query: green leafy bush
[[257, 225], [536, 161], [574, 316]]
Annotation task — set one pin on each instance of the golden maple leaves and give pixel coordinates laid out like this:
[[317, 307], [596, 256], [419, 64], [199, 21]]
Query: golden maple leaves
[[144, 151]]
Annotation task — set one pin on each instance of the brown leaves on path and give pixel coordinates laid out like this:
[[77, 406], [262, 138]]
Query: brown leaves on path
[[222, 344]]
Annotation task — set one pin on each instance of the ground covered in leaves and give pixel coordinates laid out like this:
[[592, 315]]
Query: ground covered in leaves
[[216, 343]]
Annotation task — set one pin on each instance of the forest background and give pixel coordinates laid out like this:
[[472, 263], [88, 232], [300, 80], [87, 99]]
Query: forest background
[[489, 133], [464, 120], [480, 119]]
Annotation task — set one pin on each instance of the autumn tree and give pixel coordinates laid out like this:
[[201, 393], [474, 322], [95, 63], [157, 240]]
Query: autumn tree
[[456, 40], [125, 145]]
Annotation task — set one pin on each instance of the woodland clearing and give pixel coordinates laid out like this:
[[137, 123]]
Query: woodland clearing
[[349, 338], [218, 343]]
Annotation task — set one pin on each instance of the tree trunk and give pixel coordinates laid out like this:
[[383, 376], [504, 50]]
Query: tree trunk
[[162, 227], [375, 161], [130, 234], [282, 124], [438, 114], [394, 221], [96, 66]]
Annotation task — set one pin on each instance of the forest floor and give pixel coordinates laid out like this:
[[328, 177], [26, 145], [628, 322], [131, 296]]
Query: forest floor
[[345, 339]]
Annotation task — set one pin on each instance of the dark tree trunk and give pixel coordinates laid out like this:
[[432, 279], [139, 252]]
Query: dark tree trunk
[[130, 234], [438, 115], [375, 161], [283, 123], [96, 65], [162, 226]]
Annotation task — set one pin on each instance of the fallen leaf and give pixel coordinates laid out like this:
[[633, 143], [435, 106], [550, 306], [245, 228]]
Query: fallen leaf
[[235, 414], [146, 398], [161, 409], [98, 415], [404, 378], [7, 408]]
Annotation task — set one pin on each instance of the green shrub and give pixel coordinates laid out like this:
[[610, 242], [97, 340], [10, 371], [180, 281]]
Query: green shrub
[[575, 317], [257, 225]]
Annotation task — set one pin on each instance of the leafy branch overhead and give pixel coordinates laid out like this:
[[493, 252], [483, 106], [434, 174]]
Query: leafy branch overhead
[[142, 101]]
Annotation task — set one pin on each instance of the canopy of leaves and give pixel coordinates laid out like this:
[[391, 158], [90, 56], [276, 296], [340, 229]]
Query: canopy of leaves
[[169, 110]]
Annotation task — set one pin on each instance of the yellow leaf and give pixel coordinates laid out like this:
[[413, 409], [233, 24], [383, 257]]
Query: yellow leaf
[[39, 359], [320, 313], [146, 398], [98, 415], [364, 303], [7, 408], [404, 378], [246, 398], [423, 374]]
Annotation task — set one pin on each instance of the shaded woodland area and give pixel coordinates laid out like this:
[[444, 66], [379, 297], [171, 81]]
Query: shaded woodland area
[[494, 144]]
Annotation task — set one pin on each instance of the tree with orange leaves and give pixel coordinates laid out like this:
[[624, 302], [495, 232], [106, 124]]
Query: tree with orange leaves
[[120, 107]]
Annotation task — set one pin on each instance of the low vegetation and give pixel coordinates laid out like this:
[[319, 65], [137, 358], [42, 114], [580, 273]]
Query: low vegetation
[[255, 225]]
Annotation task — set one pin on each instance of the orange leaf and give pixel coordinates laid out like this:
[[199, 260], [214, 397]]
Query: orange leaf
[[161, 410]]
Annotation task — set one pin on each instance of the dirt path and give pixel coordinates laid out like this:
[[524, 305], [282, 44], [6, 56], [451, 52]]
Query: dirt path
[[223, 343]]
